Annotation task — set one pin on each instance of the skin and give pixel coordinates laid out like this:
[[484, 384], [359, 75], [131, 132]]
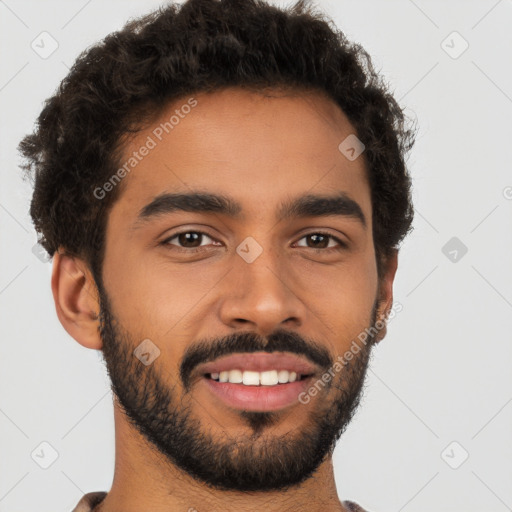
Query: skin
[[260, 151]]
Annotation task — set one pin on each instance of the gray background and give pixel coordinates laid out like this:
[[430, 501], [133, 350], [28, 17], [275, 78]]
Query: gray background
[[440, 386]]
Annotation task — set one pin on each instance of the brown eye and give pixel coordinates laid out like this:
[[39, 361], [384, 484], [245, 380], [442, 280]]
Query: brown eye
[[187, 239], [321, 241]]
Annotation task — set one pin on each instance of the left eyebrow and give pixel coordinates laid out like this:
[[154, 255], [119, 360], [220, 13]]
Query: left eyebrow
[[308, 205]]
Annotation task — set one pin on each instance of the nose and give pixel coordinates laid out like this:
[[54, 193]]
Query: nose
[[261, 295]]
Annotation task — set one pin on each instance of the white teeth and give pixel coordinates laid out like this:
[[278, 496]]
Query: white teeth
[[250, 378], [282, 376], [269, 378], [235, 376]]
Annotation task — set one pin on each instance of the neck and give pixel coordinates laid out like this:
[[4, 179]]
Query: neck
[[144, 478]]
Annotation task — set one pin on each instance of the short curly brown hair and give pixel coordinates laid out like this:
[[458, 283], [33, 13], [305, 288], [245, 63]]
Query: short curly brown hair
[[203, 45]]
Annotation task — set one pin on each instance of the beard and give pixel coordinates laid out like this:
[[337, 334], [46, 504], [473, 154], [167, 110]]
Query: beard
[[257, 462]]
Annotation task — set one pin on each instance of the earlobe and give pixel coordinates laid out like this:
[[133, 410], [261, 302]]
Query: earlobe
[[76, 299]]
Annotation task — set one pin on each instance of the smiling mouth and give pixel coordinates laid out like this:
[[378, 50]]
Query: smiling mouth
[[257, 391], [253, 378]]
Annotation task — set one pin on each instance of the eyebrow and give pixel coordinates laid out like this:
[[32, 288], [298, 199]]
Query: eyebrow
[[308, 205]]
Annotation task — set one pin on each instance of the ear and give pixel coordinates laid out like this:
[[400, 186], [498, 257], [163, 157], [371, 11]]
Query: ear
[[76, 299], [386, 293]]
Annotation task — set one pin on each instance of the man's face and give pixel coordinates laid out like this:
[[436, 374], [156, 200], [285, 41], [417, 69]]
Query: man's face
[[243, 283]]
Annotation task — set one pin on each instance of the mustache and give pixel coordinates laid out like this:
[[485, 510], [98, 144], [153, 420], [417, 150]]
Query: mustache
[[280, 340]]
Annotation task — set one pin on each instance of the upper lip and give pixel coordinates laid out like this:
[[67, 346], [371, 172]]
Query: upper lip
[[259, 362]]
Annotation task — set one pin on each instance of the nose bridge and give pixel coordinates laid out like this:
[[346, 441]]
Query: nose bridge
[[259, 266], [259, 288], [262, 269]]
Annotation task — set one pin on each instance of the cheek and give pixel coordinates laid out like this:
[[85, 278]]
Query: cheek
[[344, 296], [158, 298], [133, 292]]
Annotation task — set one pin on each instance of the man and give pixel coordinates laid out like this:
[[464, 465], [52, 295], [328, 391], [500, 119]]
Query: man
[[223, 190]]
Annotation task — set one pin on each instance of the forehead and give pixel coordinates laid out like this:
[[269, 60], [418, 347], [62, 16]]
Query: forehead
[[256, 148]]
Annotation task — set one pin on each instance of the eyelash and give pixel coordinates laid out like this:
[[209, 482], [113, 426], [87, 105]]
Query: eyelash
[[192, 250]]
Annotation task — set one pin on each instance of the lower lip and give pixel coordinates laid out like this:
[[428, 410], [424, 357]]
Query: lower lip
[[258, 398]]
